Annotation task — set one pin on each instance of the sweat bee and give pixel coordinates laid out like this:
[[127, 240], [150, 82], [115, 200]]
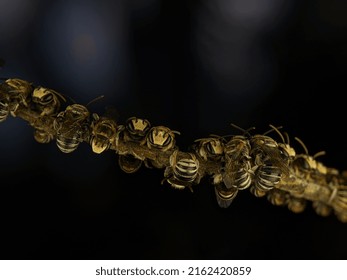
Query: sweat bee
[[321, 208], [296, 205], [238, 171], [277, 197], [72, 127], [103, 133], [183, 170], [270, 161], [47, 101], [135, 130], [13, 93], [161, 138], [306, 163], [211, 148]]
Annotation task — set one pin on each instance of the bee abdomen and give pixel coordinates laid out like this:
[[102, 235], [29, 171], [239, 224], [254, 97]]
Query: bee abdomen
[[243, 179], [67, 145], [267, 177], [186, 170]]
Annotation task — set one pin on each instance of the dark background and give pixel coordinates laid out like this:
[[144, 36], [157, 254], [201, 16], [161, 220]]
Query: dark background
[[194, 66]]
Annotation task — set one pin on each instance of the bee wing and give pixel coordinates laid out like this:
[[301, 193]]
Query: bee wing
[[229, 173], [276, 158], [224, 196]]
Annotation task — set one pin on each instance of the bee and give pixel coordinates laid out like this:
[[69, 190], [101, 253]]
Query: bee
[[48, 101], [296, 205], [183, 171], [342, 216], [161, 137], [129, 163], [288, 152], [211, 148], [321, 208], [13, 93], [103, 133], [42, 136], [237, 171], [72, 127], [277, 197], [134, 130], [269, 164], [306, 163]]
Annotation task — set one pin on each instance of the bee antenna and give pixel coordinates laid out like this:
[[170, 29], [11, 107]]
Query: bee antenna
[[287, 137], [272, 129], [321, 153], [243, 130], [302, 144], [95, 99], [278, 132]]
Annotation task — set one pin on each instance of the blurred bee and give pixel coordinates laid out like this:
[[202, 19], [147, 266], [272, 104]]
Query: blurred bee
[[341, 216], [321, 208], [183, 170], [135, 130], [103, 133], [296, 205], [47, 101], [72, 127], [277, 197], [338, 198], [13, 93]]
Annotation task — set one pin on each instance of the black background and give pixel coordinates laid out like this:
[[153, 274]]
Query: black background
[[194, 66]]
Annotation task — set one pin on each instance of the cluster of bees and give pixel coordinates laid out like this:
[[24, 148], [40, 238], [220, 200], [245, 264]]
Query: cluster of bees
[[268, 168]]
